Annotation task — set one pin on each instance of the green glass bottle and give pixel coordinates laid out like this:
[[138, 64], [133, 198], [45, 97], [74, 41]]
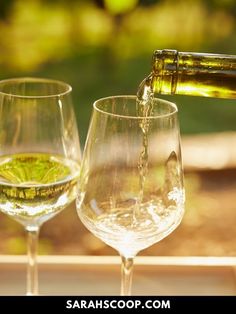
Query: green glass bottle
[[187, 73]]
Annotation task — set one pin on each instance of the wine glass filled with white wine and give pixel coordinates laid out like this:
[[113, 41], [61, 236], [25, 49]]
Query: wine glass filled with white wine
[[39, 156], [131, 183]]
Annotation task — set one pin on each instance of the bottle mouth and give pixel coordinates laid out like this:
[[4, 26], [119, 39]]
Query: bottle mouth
[[166, 59], [165, 70]]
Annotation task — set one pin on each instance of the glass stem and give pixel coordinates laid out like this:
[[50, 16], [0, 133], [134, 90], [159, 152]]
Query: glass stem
[[32, 269], [126, 275]]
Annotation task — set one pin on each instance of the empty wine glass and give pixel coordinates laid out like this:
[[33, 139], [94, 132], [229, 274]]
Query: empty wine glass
[[131, 182], [39, 156]]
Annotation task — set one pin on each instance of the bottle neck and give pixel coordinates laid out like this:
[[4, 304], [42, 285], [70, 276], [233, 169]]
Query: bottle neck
[[198, 74]]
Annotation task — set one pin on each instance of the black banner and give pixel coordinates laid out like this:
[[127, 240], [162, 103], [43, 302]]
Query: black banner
[[73, 304]]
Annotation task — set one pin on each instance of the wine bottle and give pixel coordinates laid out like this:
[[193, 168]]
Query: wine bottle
[[188, 73]]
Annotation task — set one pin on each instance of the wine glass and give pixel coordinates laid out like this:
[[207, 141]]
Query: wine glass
[[39, 156], [131, 191]]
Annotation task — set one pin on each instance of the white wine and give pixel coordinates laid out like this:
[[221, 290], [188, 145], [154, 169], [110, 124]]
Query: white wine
[[35, 186], [144, 107], [117, 216], [144, 110], [118, 229]]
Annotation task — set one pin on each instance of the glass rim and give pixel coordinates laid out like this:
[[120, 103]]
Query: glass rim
[[159, 116], [68, 88]]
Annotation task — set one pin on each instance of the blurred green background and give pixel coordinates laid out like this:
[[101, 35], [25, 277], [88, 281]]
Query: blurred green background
[[103, 48]]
